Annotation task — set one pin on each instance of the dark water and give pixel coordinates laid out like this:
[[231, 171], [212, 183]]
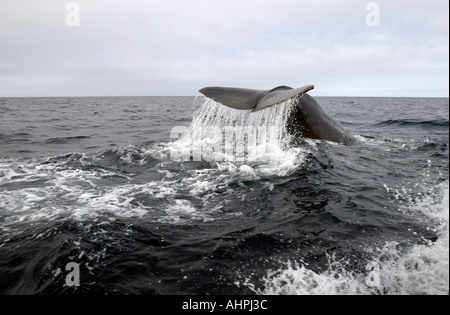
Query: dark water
[[93, 181]]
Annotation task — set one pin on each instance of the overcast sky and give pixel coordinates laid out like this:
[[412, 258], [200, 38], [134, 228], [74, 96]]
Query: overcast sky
[[176, 47]]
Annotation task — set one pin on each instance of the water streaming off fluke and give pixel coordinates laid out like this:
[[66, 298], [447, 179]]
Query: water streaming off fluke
[[222, 134]]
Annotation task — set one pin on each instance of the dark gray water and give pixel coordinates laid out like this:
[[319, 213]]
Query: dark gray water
[[93, 181]]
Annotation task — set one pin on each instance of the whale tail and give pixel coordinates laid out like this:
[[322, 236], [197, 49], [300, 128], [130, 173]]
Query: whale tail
[[255, 100], [305, 118]]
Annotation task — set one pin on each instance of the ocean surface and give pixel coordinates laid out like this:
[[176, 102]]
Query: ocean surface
[[179, 195]]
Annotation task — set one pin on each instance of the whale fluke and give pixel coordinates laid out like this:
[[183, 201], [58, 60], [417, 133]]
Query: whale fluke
[[246, 99], [306, 119]]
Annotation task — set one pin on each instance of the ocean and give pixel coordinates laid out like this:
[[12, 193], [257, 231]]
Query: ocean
[[182, 196]]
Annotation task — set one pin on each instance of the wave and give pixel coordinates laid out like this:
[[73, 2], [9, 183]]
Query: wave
[[15, 137], [421, 268], [414, 122], [121, 182], [62, 140]]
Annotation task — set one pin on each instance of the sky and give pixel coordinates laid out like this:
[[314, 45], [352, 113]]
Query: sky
[[176, 47]]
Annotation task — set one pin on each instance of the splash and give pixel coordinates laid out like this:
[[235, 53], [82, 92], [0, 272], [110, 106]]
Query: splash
[[420, 269], [221, 134]]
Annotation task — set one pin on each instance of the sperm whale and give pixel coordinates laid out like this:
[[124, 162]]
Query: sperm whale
[[306, 119]]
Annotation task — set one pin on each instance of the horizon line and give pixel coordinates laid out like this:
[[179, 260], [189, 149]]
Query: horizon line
[[106, 96]]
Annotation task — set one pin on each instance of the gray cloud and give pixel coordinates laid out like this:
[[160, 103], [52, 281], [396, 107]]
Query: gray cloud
[[175, 47]]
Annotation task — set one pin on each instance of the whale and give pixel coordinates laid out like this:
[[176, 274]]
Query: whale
[[306, 119]]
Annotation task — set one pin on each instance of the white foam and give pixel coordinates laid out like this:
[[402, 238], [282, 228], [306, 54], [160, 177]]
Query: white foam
[[420, 269], [48, 191], [248, 173], [225, 135], [182, 211], [298, 279], [423, 269]]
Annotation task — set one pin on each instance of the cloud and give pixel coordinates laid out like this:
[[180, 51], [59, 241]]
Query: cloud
[[175, 47]]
